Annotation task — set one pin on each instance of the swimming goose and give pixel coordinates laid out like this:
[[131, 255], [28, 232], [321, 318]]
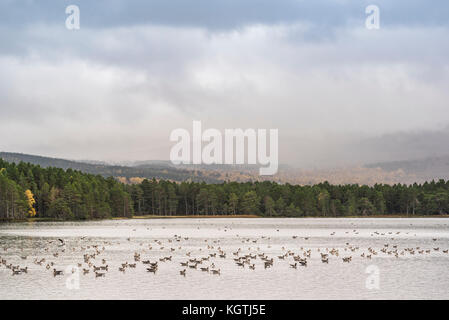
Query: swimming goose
[[152, 270], [57, 272], [303, 262]]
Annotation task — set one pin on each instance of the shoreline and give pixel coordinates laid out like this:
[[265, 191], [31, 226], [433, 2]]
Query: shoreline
[[243, 216]]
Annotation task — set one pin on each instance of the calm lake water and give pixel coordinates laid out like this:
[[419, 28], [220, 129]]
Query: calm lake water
[[408, 259]]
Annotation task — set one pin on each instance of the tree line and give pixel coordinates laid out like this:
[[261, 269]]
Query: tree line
[[27, 190], [30, 190]]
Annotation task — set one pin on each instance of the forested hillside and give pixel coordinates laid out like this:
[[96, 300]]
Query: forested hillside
[[59, 194], [30, 190], [158, 170]]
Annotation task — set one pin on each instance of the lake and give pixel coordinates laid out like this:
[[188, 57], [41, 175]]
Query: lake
[[254, 258]]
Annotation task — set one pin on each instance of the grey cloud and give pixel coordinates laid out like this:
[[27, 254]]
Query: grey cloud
[[113, 90]]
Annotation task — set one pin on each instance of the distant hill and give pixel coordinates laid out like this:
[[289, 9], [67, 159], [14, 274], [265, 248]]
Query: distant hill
[[432, 168], [158, 169], [408, 171]]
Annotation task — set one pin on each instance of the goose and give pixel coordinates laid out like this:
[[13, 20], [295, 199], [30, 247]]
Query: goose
[[99, 274], [252, 267], [57, 272], [215, 271], [85, 271], [303, 263], [267, 264], [121, 269], [205, 269], [293, 265], [182, 272], [16, 272], [152, 270]]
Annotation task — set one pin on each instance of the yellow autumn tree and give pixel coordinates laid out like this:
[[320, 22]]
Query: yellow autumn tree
[[31, 202]]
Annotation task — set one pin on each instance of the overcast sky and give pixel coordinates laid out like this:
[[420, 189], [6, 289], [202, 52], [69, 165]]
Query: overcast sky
[[339, 93]]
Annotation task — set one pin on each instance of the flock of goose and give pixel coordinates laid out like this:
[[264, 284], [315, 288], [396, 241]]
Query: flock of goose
[[52, 254]]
